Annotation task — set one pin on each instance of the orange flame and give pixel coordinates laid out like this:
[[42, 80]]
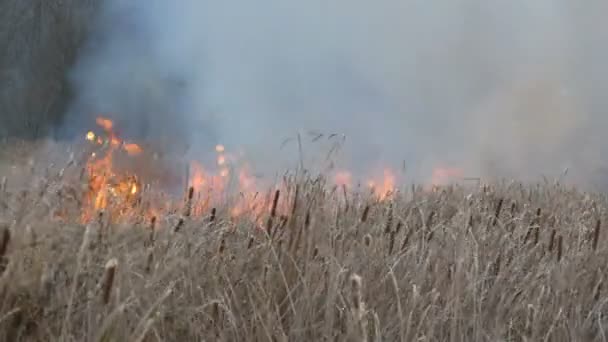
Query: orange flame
[[132, 149], [106, 124]]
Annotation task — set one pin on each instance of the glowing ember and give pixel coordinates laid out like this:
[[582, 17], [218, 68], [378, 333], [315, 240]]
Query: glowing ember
[[90, 136], [219, 148]]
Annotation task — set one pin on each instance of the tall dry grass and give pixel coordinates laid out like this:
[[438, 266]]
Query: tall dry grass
[[502, 262]]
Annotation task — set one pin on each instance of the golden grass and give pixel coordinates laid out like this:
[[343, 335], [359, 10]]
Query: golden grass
[[503, 262]]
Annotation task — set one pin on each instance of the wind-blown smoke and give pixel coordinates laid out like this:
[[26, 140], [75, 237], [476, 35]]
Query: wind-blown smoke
[[499, 88]]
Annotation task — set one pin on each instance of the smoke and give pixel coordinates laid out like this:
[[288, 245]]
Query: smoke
[[499, 88]]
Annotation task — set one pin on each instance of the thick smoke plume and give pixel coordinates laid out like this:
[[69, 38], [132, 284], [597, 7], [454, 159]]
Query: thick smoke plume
[[512, 88]]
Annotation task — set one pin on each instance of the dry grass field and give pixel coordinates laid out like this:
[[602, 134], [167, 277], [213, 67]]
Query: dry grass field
[[501, 262]]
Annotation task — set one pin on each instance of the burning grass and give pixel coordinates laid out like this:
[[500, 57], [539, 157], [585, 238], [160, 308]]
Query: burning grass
[[318, 262]]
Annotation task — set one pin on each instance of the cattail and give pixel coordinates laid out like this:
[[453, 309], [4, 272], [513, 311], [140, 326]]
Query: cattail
[[250, 243], [356, 296], [429, 220], [6, 237], [389, 219], [596, 234], [295, 201], [149, 261], [398, 228], [559, 248], [275, 202], [367, 240], [213, 212], [179, 225], [406, 240], [429, 237], [536, 235], [513, 208], [100, 227], [552, 240], [188, 210], [152, 230], [215, 312], [391, 243], [497, 213], [222, 247], [307, 219], [108, 279], [365, 213], [496, 268], [315, 252]]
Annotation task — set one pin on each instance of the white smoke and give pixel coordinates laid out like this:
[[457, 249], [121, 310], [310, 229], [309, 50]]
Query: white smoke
[[495, 87]]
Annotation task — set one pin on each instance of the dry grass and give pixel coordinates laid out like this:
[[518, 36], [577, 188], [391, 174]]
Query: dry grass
[[505, 262]]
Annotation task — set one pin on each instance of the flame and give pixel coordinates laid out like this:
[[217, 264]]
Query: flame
[[107, 189], [228, 181], [132, 149], [106, 124]]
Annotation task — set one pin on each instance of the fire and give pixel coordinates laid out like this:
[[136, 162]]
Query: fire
[[132, 149], [106, 124], [228, 181], [384, 187], [107, 188]]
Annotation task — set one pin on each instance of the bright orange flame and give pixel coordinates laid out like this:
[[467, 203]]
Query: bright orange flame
[[383, 187], [115, 142], [107, 124], [132, 149], [199, 177], [90, 136]]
